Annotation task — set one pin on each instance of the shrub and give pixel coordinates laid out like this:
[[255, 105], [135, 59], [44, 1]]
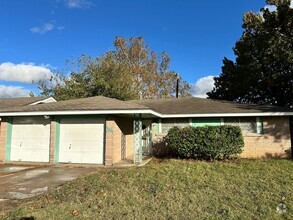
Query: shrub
[[209, 142], [162, 149]]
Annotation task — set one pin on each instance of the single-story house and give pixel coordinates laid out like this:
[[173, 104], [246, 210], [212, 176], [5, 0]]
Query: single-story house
[[100, 130]]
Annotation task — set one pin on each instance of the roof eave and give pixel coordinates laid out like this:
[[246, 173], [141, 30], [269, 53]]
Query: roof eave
[[252, 114], [77, 112], [143, 111]]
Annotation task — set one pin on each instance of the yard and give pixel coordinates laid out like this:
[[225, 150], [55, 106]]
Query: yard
[[172, 189]]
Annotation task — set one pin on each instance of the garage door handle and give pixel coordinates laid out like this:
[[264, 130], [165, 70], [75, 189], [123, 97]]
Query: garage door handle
[[20, 144], [70, 146]]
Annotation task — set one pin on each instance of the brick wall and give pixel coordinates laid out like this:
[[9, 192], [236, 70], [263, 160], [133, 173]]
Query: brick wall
[[116, 150], [129, 145], [126, 127], [275, 142], [3, 134], [52, 140], [109, 142], [113, 142], [160, 148], [115, 127]]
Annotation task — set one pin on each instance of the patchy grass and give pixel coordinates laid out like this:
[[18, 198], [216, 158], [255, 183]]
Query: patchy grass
[[172, 189]]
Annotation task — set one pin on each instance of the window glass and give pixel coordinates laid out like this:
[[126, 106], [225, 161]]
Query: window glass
[[247, 124]]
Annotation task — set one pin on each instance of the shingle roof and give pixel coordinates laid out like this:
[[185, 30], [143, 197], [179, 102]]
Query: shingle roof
[[170, 106], [22, 101], [91, 103], [204, 106]]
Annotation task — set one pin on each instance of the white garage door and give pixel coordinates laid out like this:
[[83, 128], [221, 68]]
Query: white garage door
[[30, 139], [81, 140]]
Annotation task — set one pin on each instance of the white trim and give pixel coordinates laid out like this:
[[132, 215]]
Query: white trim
[[190, 121], [143, 111], [259, 125], [160, 126], [222, 121], [48, 100], [226, 115], [80, 112]]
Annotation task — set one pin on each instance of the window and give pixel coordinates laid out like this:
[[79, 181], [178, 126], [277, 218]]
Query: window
[[168, 123], [200, 122], [247, 124]]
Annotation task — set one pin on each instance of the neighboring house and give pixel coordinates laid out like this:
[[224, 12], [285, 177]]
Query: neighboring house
[[24, 101], [100, 130]]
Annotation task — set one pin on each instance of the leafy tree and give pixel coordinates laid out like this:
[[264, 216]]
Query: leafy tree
[[263, 70], [131, 71]]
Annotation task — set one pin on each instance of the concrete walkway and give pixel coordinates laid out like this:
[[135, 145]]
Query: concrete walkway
[[128, 162]]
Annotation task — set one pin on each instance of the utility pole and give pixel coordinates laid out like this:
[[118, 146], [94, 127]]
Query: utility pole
[[177, 84]]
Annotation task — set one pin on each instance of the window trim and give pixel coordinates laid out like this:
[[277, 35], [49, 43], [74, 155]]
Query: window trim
[[259, 125], [206, 121], [160, 126]]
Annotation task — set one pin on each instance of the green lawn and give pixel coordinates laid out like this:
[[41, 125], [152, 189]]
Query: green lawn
[[172, 189]]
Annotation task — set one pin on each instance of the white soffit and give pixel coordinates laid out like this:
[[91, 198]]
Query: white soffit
[[146, 111]]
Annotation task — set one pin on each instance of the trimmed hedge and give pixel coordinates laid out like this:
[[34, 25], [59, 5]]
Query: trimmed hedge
[[208, 142]]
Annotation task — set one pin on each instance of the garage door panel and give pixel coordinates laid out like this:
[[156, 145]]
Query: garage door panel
[[74, 157], [88, 157], [30, 139], [86, 138], [88, 145]]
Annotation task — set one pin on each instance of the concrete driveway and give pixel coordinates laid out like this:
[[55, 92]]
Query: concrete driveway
[[20, 182]]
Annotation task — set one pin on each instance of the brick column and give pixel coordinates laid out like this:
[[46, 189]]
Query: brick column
[[52, 141], [109, 142], [3, 134]]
